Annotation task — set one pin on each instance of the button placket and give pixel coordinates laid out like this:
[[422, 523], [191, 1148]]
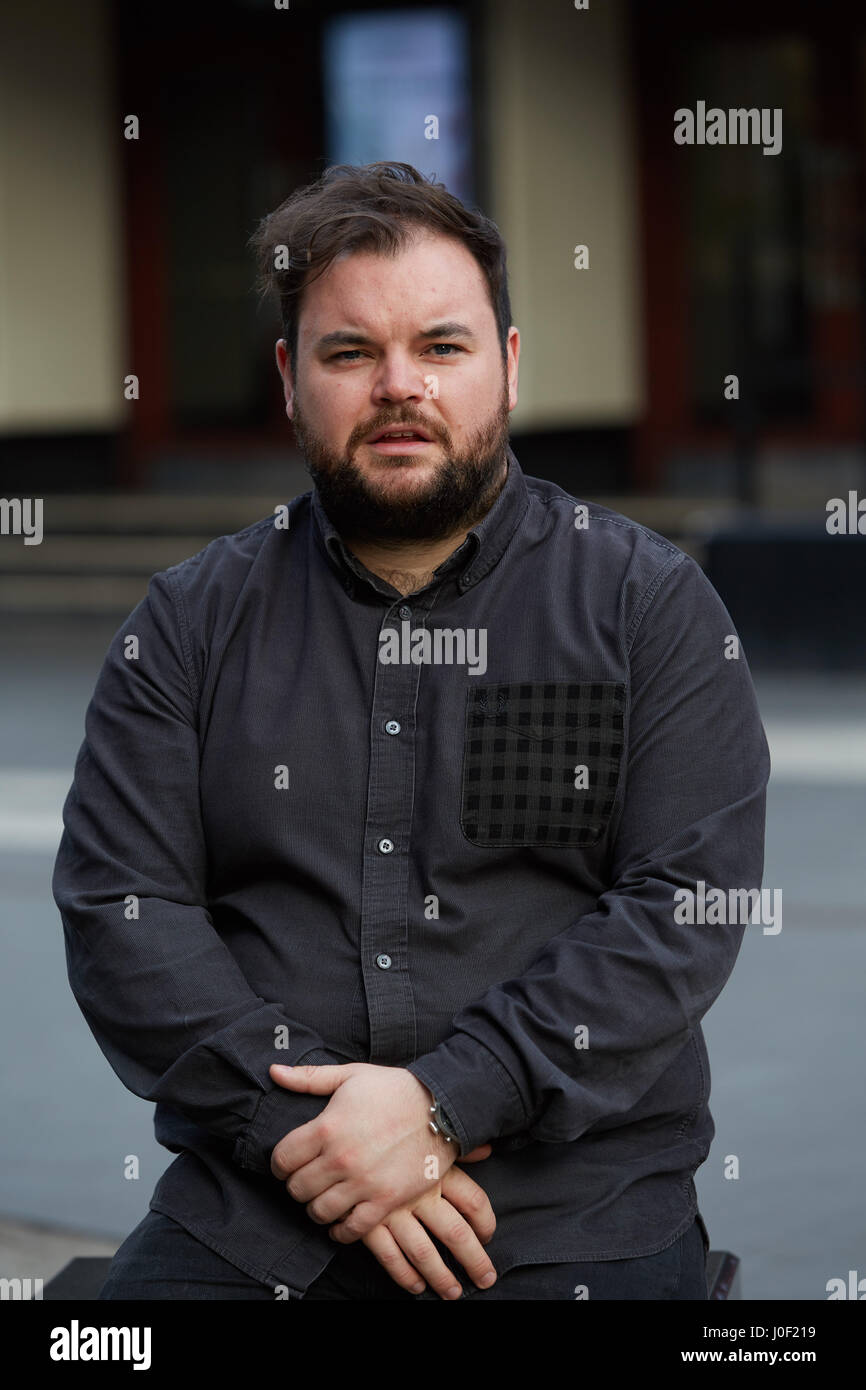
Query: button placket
[[385, 888]]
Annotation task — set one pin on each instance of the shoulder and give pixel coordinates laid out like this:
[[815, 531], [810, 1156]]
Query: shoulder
[[215, 575], [605, 529], [201, 599], [614, 554]]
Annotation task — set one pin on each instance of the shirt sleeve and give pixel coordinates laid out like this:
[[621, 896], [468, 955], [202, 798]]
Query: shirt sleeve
[[637, 978], [162, 994]]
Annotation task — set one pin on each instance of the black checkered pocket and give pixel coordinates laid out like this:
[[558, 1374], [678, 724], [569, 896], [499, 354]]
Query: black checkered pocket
[[541, 762]]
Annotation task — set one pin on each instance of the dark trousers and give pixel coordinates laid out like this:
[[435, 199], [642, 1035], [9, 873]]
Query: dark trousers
[[161, 1260]]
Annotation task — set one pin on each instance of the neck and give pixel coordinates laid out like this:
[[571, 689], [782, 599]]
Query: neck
[[407, 567]]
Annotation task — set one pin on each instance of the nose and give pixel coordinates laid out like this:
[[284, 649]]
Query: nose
[[399, 378]]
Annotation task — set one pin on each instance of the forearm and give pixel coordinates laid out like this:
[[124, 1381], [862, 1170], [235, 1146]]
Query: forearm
[[166, 1000]]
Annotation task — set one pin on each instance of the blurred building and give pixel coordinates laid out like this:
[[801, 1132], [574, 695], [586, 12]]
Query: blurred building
[[127, 256]]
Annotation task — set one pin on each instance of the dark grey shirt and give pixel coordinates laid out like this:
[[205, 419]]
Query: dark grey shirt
[[314, 821]]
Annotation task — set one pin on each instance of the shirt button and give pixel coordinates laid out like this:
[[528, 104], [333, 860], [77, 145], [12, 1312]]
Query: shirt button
[[405, 612], [386, 846], [383, 962], [392, 727]]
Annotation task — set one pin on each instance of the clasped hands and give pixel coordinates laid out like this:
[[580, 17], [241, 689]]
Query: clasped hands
[[371, 1168]]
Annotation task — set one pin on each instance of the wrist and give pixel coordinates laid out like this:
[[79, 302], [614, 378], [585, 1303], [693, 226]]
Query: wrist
[[441, 1126]]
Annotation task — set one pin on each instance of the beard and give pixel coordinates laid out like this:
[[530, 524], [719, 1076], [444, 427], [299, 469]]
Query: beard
[[462, 489]]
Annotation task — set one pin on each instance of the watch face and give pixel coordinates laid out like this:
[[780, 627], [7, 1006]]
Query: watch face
[[445, 1123]]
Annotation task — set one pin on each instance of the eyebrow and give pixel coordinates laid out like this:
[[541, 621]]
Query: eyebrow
[[344, 337]]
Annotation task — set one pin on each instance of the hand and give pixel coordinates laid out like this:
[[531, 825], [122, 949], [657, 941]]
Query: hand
[[367, 1154], [404, 1251]]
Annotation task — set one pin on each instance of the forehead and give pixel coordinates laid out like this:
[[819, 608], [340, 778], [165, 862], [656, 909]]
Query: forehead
[[431, 277]]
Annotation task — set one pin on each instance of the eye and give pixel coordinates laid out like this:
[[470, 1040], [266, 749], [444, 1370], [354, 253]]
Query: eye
[[356, 352]]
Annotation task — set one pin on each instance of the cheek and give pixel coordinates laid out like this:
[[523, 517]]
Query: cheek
[[474, 397], [335, 408]]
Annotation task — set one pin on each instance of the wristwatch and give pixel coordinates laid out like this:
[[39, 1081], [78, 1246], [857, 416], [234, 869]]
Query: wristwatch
[[440, 1124]]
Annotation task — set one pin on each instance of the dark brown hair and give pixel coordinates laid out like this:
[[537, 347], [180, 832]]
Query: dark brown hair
[[368, 207]]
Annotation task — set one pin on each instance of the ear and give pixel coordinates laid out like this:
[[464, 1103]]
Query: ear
[[284, 368], [513, 349]]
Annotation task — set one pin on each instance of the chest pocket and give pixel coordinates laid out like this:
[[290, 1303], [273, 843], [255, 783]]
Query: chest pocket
[[541, 762]]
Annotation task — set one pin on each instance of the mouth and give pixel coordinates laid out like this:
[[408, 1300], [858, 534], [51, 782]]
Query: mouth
[[399, 439]]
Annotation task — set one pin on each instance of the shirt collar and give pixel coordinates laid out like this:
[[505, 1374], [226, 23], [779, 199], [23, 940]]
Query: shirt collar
[[480, 551]]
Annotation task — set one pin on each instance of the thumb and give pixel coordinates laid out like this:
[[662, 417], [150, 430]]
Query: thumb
[[316, 1081]]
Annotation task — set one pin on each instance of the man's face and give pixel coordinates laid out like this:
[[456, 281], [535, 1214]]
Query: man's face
[[390, 367]]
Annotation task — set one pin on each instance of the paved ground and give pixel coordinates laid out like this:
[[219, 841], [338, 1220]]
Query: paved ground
[[30, 1251], [785, 1038]]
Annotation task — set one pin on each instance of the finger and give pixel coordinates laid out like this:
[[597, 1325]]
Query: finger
[[471, 1201], [381, 1243], [457, 1235], [316, 1081], [336, 1205], [314, 1179], [297, 1149], [420, 1251], [483, 1151], [365, 1216]]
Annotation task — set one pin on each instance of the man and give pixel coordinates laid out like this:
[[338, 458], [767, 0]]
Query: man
[[402, 788]]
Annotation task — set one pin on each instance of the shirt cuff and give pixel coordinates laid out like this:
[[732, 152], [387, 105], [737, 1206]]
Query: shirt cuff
[[477, 1094], [278, 1112]]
